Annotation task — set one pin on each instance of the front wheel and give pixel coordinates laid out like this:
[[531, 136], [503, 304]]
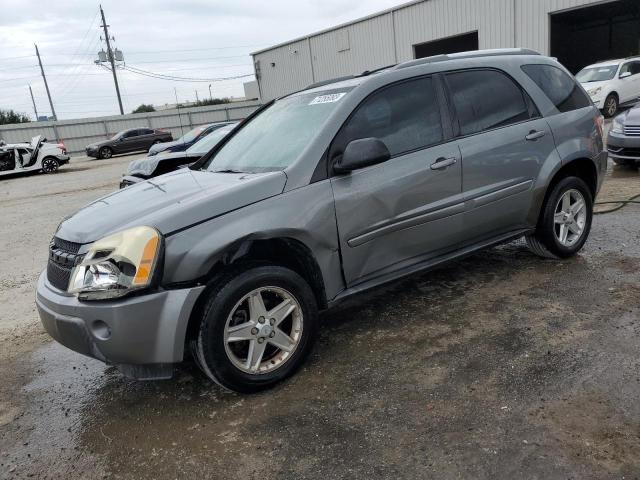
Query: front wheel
[[50, 165], [610, 106], [565, 220], [105, 152], [257, 327]]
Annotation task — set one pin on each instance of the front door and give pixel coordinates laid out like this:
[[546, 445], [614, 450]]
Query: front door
[[400, 212]]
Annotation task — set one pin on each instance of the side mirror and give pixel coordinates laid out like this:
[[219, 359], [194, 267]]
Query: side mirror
[[362, 153], [625, 74]]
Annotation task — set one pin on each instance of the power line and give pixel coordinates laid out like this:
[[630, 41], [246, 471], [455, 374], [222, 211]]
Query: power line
[[161, 76]]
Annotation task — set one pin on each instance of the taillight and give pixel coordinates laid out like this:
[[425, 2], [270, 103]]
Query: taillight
[[599, 121]]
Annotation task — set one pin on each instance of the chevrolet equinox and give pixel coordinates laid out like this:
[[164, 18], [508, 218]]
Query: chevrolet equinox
[[317, 196]]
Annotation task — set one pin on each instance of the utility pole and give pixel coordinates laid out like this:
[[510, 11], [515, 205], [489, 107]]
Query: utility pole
[[111, 58], [34, 103], [210, 97], [197, 99], [46, 85]]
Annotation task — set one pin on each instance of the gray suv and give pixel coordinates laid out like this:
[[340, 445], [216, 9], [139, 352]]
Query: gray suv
[[320, 195]]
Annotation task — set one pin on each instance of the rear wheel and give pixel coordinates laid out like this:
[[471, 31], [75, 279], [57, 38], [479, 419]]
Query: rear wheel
[[610, 105], [565, 220], [257, 327], [105, 152], [50, 165]]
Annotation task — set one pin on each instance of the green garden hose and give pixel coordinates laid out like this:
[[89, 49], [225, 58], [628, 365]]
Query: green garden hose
[[619, 203]]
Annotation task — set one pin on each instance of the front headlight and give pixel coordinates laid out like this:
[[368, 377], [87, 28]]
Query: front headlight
[[617, 125], [117, 265], [594, 91]]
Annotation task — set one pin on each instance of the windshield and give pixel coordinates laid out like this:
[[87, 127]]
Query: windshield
[[597, 74], [191, 135], [118, 135], [275, 138], [207, 143]]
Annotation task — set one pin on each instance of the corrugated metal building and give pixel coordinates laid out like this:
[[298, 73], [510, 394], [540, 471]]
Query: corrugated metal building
[[577, 32]]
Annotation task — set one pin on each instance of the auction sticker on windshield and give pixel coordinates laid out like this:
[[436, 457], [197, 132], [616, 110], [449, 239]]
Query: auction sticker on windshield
[[330, 98]]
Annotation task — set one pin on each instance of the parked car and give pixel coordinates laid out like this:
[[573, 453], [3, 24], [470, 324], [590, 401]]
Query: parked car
[[188, 139], [127, 141], [612, 84], [623, 141], [35, 156], [318, 196], [148, 167]]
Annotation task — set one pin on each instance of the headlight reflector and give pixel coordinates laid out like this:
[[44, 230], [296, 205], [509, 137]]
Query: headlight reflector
[[118, 264], [594, 91]]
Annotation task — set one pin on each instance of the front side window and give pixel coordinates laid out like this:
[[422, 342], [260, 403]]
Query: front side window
[[277, 136], [558, 86], [405, 116], [486, 99]]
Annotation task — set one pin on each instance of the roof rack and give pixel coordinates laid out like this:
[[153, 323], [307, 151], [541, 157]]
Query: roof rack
[[347, 77], [498, 52]]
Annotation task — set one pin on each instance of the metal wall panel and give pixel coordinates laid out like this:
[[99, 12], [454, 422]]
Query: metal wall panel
[[435, 19], [284, 69], [77, 134], [389, 37], [370, 46]]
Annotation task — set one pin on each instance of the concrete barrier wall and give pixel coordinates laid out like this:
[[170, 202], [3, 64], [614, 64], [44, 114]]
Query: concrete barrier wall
[[77, 134]]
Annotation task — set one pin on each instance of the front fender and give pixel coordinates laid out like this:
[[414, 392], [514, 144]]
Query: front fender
[[306, 214]]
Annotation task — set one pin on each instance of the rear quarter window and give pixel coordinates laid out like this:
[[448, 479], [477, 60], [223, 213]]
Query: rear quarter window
[[558, 86]]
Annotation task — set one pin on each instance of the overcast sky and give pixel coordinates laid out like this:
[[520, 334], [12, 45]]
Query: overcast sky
[[191, 38]]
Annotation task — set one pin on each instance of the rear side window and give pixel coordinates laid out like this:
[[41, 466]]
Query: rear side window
[[559, 87], [486, 99], [405, 116], [145, 131]]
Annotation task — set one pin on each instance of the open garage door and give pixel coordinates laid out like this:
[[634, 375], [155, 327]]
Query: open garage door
[[587, 35], [459, 43]]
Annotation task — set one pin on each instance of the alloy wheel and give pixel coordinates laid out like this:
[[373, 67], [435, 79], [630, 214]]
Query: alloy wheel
[[49, 165], [570, 216], [611, 107], [263, 330]]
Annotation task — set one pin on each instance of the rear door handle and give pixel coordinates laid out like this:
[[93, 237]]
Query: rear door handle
[[442, 162], [533, 135]]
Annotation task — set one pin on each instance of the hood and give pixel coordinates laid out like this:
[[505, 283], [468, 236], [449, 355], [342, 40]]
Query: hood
[[145, 166], [170, 202], [160, 147]]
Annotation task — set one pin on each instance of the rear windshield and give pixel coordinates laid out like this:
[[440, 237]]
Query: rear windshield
[[597, 74], [277, 136]]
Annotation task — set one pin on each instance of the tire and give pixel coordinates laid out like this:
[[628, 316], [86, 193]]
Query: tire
[[610, 105], [105, 153], [50, 165], [227, 305], [545, 241]]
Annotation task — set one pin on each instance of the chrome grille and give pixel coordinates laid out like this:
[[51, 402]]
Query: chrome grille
[[632, 130]]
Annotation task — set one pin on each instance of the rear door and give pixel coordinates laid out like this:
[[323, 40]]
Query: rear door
[[504, 142], [400, 212]]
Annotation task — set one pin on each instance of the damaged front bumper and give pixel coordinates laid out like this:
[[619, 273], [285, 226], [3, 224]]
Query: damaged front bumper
[[143, 336]]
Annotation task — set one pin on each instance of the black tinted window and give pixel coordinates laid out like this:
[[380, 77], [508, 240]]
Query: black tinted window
[[404, 116], [561, 89], [145, 131], [486, 99], [130, 133]]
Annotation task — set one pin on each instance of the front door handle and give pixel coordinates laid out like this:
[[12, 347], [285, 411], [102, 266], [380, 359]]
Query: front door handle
[[442, 162], [533, 135]]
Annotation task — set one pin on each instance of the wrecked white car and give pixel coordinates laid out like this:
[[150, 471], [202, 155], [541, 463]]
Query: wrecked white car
[[35, 156]]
